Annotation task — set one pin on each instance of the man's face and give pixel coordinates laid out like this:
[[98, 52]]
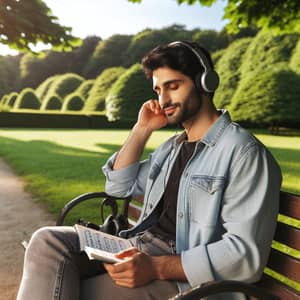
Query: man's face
[[177, 95]]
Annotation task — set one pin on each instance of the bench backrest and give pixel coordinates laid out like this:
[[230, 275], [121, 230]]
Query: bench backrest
[[282, 275]]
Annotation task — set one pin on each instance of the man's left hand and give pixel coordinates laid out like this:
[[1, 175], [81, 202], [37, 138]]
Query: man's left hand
[[136, 270]]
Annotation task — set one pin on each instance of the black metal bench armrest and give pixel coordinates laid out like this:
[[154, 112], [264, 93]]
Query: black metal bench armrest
[[79, 199], [224, 286]]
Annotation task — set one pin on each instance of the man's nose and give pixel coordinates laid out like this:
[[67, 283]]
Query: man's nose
[[164, 99]]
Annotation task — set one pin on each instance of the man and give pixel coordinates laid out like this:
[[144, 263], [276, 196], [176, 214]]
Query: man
[[210, 197]]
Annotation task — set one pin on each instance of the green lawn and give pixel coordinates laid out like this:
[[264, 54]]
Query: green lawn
[[61, 164]]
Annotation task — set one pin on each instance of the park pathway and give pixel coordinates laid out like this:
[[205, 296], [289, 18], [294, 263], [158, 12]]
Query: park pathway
[[19, 217]]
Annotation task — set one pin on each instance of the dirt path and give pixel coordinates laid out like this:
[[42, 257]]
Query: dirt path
[[19, 217]]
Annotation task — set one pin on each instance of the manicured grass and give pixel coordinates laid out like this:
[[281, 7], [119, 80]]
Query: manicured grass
[[61, 164]]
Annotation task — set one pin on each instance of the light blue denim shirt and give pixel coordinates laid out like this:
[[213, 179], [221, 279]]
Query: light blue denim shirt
[[227, 201]]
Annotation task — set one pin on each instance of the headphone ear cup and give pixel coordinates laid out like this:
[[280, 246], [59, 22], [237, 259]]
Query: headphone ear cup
[[210, 81], [110, 225]]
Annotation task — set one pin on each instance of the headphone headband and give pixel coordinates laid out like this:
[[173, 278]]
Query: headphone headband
[[209, 80]]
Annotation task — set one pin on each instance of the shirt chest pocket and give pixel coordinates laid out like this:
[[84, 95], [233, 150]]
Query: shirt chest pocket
[[205, 196]]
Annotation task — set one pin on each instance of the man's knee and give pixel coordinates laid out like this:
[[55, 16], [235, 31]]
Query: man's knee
[[51, 237]]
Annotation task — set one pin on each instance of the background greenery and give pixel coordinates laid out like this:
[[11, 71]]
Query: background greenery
[[259, 74]]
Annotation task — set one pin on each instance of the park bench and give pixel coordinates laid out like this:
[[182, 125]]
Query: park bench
[[286, 262]]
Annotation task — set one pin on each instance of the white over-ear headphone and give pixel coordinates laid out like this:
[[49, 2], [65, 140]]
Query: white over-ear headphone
[[207, 80]]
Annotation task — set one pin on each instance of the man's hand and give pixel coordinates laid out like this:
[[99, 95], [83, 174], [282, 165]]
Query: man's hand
[[136, 270], [152, 116]]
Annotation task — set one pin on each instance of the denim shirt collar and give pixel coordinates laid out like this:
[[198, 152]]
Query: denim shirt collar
[[213, 133]]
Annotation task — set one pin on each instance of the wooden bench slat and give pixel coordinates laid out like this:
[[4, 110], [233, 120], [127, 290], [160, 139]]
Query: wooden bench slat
[[277, 288], [285, 265], [134, 211], [289, 205], [288, 235]]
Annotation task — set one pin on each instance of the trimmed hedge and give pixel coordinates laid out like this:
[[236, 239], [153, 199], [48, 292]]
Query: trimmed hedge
[[127, 95], [58, 120], [73, 102], [65, 84], [268, 49], [84, 89], [27, 99], [271, 100], [102, 85], [53, 102], [11, 99], [42, 90], [228, 67], [295, 59]]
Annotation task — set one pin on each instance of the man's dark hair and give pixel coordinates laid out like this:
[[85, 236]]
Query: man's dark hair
[[177, 57]]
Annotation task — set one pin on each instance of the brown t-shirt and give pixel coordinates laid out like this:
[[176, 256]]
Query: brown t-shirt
[[167, 207]]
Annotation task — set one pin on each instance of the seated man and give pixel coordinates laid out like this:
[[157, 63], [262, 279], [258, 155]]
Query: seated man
[[210, 198]]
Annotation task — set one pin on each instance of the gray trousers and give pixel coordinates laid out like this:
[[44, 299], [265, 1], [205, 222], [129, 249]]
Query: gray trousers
[[55, 269]]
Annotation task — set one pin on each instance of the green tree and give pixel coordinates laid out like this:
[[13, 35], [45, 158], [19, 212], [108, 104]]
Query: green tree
[[9, 74], [108, 53], [127, 95], [102, 85], [28, 22], [277, 15], [143, 42], [27, 99]]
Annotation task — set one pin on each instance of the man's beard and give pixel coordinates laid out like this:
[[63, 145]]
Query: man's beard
[[188, 109]]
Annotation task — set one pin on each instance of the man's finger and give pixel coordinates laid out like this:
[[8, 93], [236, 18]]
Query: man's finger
[[127, 253]]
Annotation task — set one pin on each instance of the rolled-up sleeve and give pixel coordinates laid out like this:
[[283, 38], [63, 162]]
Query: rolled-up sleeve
[[126, 181]]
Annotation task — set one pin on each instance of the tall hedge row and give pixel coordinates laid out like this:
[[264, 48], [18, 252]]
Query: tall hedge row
[[228, 67], [127, 95], [273, 99], [100, 89], [64, 85]]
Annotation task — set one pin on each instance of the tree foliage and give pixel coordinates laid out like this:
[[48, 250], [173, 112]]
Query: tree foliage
[[101, 87], [127, 95], [108, 53], [278, 15], [27, 22]]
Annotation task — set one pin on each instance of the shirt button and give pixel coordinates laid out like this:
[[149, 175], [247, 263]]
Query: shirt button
[[180, 215], [150, 206]]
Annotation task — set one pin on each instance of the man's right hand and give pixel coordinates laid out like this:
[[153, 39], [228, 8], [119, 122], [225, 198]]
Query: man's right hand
[[152, 116]]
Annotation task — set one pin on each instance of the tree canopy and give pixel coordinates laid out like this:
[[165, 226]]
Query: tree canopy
[[24, 23], [282, 16]]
